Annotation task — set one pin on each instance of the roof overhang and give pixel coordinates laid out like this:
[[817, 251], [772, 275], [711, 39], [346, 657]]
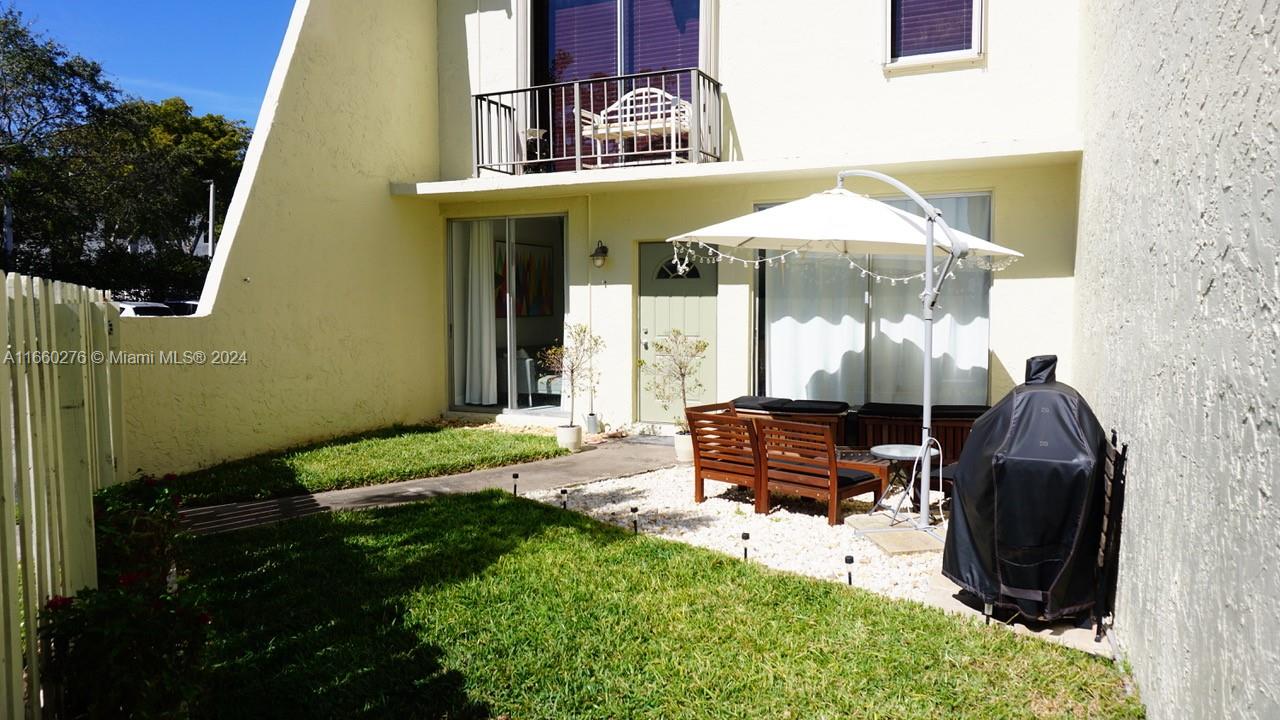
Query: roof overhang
[[977, 156]]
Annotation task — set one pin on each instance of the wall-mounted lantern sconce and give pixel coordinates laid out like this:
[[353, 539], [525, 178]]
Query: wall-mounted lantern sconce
[[599, 255]]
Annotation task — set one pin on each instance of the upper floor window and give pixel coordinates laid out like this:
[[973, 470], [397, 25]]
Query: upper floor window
[[582, 39], [934, 30]]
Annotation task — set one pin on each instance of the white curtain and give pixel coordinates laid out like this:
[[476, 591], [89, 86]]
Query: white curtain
[[481, 370], [961, 326], [815, 316]]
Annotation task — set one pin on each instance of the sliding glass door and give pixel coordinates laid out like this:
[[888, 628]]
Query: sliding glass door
[[830, 333], [507, 300]]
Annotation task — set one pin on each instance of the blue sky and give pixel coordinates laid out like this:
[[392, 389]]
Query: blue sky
[[216, 54]]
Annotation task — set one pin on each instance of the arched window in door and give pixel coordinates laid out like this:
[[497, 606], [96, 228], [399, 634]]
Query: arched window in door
[[670, 271]]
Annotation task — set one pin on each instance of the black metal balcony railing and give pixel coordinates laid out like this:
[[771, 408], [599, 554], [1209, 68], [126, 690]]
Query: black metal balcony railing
[[643, 119]]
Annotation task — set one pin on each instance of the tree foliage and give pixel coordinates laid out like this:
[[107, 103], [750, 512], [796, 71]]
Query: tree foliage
[[103, 191], [673, 374], [575, 362]]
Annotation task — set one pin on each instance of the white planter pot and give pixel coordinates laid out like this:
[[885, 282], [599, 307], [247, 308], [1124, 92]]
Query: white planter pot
[[593, 424], [684, 448], [569, 437]]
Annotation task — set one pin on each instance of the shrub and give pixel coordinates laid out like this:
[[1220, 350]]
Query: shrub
[[137, 530], [130, 647], [122, 651]]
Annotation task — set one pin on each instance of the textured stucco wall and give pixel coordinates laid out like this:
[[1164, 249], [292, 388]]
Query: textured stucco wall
[[322, 277], [1177, 294]]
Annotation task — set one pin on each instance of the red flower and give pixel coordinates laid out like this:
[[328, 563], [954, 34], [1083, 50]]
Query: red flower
[[170, 477], [130, 578], [58, 602], [204, 618], [149, 481]]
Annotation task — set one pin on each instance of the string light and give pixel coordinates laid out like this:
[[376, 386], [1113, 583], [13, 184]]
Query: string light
[[715, 255], [685, 255]]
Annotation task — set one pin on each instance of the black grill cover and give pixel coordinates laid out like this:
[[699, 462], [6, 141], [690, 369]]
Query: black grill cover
[[1027, 504]]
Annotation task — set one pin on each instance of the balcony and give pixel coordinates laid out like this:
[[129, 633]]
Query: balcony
[[658, 118]]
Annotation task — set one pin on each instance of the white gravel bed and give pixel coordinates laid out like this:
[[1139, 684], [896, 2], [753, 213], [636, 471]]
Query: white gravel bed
[[794, 536]]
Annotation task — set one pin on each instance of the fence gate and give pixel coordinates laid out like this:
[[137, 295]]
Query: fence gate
[[61, 435]]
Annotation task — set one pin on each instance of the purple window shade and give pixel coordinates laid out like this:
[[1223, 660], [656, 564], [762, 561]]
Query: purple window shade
[[921, 27], [661, 35], [575, 40]]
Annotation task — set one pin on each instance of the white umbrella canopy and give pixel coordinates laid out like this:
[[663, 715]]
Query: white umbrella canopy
[[845, 223], [834, 221]]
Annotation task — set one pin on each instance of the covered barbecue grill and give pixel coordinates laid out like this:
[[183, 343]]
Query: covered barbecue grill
[[1032, 489]]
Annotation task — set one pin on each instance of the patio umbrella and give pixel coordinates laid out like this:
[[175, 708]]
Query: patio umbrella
[[844, 223]]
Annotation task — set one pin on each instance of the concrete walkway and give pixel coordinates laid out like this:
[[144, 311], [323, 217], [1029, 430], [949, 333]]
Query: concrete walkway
[[1077, 634], [614, 458]]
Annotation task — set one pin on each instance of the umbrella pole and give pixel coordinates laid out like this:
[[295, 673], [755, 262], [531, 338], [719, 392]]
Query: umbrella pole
[[926, 433]]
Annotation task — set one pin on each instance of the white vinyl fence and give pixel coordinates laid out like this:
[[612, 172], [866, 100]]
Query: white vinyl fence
[[60, 432]]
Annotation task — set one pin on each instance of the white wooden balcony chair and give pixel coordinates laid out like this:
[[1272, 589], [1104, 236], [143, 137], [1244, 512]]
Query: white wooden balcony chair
[[646, 112]]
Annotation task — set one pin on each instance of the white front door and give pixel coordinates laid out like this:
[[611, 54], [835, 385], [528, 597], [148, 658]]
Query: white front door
[[670, 301]]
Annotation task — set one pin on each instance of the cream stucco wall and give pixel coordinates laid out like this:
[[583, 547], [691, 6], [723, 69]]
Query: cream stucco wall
[[807, 80], [1178, 290], [1034, 210], [321, 277]]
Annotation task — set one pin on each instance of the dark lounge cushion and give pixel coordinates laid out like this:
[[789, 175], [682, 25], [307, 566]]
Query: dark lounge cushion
[[760, 403], [849, 477], [940, 412], [890, 410], [959, 412], [815, 407]]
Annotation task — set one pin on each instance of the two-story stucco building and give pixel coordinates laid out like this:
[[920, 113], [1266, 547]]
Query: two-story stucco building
[[431, 184]]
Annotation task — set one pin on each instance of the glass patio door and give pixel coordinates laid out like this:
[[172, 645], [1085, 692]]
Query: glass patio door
[[506, 278], [830, 333]]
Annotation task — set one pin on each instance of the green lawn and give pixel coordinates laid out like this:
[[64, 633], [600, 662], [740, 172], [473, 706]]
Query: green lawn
[[372, 458], [486, 605]]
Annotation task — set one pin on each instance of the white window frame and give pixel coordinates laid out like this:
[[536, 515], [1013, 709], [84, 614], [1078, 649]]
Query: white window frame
[[975, 52]]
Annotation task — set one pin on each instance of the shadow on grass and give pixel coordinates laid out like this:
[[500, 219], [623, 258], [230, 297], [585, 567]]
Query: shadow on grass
[[371, 458], [270, 475], [310, 615]]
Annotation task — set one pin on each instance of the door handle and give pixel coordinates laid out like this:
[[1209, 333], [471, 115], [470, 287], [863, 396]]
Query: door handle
[[645, 344]]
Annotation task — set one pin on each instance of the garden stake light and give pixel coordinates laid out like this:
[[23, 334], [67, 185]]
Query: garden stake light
[[564, 499], [515, 478], [635, 521], [745, 537], [848, 560]]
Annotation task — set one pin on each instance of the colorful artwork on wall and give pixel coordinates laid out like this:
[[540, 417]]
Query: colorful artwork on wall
[[534, 289]]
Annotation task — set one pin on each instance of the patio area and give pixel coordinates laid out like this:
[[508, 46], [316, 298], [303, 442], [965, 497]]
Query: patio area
[[793, 536]]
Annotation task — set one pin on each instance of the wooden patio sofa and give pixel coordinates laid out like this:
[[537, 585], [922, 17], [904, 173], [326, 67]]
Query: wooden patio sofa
[[793, 456], [800, 459], [895, 423], [724, 448]]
